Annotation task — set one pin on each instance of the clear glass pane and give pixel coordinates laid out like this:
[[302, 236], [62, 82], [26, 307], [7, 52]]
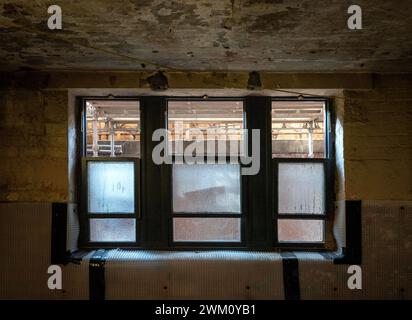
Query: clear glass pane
[[111, 187], [112, 230], [301, 188], [206, 229], [113, 128], [300, 230], [216, 125], [298, 129], [206, 188]]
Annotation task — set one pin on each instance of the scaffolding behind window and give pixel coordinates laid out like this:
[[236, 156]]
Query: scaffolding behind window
[[298, 129], [216, 125], [113, 128]]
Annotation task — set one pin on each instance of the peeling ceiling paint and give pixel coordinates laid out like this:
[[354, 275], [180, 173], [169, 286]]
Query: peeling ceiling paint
[[276, 35]]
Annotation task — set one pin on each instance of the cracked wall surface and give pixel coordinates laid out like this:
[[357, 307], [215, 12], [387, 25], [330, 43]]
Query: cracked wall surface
[[215, 47], [279, 35]]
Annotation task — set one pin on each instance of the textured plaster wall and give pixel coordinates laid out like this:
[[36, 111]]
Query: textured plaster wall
[[378, 144], [33, 145]]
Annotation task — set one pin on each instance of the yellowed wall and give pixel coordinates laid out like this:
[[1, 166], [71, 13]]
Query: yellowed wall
[[378, 144], [33, 145]]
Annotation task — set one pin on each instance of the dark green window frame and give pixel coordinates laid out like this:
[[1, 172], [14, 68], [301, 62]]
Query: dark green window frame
[[259, 216]]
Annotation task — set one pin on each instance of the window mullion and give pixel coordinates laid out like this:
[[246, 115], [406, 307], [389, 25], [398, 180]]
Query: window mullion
[[259, 201]]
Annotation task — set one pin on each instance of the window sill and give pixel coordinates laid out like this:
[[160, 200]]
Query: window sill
[[146, 255]]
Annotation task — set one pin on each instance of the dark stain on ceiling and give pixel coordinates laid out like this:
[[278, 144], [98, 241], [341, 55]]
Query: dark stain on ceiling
[[261, 35]]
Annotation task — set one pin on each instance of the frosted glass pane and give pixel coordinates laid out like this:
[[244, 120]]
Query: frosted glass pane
[[300, 230], [206, 188], [301, 188], [111, 187], [206, 229], [113, 230]]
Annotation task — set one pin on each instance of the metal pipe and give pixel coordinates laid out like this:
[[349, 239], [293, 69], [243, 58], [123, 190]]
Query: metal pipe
[[111, 123], [310, 139], [95, 146]]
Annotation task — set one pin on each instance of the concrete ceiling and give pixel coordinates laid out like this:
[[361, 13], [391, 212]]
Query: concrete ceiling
[[271, 35]]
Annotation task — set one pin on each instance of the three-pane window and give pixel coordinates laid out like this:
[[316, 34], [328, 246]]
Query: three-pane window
[[210, 200]]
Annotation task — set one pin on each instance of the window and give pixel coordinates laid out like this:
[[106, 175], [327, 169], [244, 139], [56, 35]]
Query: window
[[111, 171], [300, 164], [298, 129], [206, 195], [217, 126], [200, 197], [112, 128]]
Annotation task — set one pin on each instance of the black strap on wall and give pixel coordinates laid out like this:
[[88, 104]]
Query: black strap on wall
[[97, 285], [290, 276], [352, 253], [58, 233], [328, 255]]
